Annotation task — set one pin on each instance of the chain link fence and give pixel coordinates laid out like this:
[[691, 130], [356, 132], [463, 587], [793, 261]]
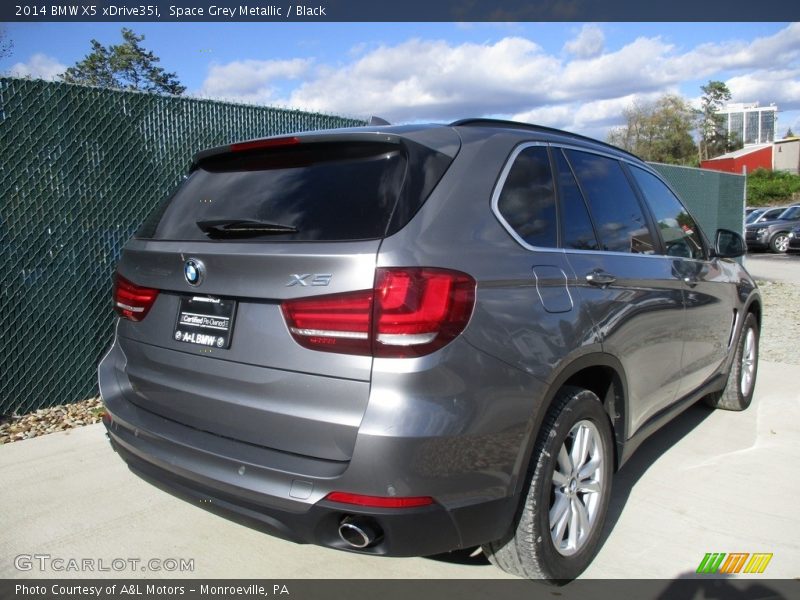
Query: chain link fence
[[80, 169], [715, 199]]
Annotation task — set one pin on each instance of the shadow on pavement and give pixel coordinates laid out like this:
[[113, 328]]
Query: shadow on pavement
[[647, 454], [469, 556]]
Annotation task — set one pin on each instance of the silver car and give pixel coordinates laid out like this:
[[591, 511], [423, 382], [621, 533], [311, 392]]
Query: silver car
[[413, 339]]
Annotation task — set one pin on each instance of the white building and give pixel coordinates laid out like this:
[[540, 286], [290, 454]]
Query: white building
[[749, 123]]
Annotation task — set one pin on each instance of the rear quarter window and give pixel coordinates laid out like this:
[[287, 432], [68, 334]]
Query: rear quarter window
[[527, 200]]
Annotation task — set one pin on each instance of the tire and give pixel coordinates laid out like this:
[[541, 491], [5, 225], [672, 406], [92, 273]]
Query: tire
[[529, 549], [779, 242], [738, 392]]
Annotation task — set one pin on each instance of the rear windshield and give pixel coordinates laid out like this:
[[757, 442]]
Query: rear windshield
[[333, 191]]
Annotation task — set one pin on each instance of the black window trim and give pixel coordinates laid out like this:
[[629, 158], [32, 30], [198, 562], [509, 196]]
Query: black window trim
[[592, 224]]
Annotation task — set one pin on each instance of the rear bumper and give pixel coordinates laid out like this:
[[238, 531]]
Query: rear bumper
[[403, 532], [283, 494]]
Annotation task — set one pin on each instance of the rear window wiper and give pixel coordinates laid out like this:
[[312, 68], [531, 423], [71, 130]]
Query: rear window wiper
[[242, 228]]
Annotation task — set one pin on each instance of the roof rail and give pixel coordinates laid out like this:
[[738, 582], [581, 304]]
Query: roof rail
[[484, 122]]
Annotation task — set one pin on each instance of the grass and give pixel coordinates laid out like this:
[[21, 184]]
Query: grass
[[765, 188]]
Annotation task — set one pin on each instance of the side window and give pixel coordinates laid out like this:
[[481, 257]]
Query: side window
[[621, 224], [527, 200], [678, 228], [577, 231]]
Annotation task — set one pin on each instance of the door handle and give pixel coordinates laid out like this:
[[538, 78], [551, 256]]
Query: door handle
[[690, 281], [600, 278]]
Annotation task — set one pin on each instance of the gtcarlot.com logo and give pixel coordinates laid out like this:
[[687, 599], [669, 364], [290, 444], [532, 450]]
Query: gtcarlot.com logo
[[735, 562], [48, 563]]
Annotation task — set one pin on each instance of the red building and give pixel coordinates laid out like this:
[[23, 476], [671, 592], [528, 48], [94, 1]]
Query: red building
[[749, 158]]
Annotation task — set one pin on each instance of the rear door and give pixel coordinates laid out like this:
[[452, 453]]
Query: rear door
[[525, 203], [259, 226], [631, 292]]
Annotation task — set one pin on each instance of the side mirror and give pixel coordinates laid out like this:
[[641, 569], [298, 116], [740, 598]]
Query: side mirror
[[729, 244]]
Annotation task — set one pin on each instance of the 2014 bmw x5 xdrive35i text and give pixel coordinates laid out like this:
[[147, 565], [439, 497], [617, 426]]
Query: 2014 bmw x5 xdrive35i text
[[408, 340]]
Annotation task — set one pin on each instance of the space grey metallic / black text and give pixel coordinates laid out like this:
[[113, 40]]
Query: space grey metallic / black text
[[405, 340]]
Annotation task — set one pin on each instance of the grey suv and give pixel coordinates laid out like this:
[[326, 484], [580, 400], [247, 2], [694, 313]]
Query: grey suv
[[773, 234], [408, 340]]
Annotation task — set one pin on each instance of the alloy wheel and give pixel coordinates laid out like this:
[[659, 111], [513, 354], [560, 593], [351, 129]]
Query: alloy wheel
[[748, 366], [577, 487]]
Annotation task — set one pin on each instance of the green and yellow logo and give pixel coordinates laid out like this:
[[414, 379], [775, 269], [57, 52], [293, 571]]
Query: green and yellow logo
[[735, 562]]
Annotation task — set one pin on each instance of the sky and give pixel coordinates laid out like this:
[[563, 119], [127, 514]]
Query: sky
[[574, 76]]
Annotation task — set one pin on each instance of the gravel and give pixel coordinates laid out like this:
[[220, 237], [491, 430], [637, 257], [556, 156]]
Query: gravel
[[780, 330], [49, 420], [780, 324]]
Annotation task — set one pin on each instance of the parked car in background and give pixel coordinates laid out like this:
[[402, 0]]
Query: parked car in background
[[773, 235], [794, 239], [764, 214], [408, 340]]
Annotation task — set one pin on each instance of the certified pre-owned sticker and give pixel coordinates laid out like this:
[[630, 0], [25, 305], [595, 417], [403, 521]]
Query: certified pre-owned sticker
[[212, 322]]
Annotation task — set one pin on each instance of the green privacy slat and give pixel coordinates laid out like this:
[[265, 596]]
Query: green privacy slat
[[715, 199], [80, 168]]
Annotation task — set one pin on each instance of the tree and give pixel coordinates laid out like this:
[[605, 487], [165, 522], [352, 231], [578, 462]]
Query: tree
[[6, 45], [659, 131], [126, 66], [713, 140], [789, 134]]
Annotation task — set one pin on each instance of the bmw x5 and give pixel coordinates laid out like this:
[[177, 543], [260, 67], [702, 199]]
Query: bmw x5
[[405, 340]]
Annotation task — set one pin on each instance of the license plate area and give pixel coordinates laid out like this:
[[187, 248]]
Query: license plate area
[[205, 321]]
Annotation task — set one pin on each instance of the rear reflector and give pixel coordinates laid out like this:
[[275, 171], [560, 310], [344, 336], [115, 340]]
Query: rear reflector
[[132, 301], [379, 501], [410, 312]]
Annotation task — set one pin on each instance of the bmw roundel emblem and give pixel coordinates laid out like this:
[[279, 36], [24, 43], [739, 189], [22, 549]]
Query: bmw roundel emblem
[[193, 271]]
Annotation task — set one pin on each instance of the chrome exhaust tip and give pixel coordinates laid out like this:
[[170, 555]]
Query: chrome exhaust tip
[[358, 532]]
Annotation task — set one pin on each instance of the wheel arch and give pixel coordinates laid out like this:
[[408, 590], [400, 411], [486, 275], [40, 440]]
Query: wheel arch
[[754, 306], [604, 375]]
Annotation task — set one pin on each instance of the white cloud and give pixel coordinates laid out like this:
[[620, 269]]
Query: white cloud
[[421, 79], [781, 87], [762, 53], [583, 88], [251, 80], [595, 115], [39, 66], [634, 67], [589, 42]]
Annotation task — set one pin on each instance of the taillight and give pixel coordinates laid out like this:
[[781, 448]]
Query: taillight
[[132, 301], [334, 323], [410, 312]]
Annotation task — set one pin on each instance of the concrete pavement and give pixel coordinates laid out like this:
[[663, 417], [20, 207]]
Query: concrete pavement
[[774, 267], [711, 481]]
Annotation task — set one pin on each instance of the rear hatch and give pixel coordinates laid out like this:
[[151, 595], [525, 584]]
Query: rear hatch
[[253, 225]]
